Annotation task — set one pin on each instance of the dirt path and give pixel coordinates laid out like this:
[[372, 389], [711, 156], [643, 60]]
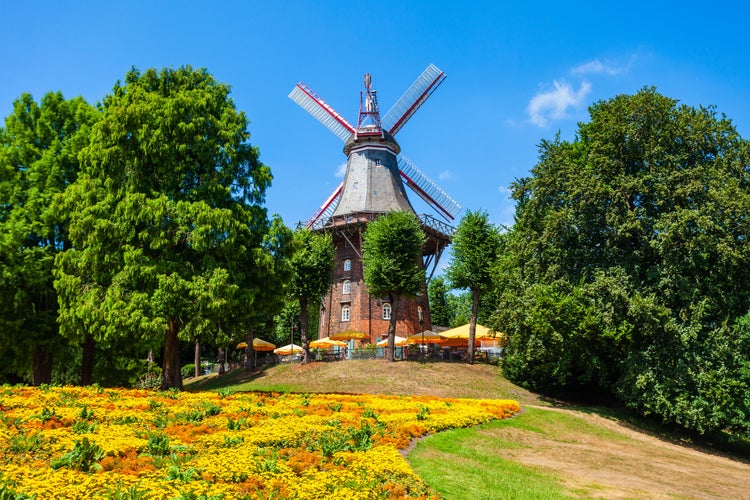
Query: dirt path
[[621, 462]]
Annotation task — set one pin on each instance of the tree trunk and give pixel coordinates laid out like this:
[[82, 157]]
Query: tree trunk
[[303, 323], [171, 378], [249, 351], [87, 361], [390, 351], [197, 358], [473, 326], [41, 366], [221, 360]]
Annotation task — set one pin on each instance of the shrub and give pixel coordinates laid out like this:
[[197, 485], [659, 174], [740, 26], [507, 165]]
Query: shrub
[[188, 370]]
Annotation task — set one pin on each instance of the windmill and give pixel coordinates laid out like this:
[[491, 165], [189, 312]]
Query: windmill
[[376, 174]]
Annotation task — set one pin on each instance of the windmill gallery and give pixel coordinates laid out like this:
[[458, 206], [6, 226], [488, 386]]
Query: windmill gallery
[[376, 173]]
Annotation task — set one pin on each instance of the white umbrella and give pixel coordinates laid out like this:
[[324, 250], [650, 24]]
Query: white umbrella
[[398, 341], [288, 349]]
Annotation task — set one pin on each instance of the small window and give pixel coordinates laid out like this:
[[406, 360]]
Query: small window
[[420, 315], [347, 287], [345, 313], [348, 265], [386, 311]]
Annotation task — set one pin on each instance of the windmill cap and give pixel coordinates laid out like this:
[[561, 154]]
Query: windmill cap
[[373, 135]]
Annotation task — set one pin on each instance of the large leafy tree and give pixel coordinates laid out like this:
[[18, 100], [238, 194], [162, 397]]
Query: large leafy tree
[[39, 148], [392, 249], [475, 249], [272, 266], [629, 262], [166, 220], [311, 273]]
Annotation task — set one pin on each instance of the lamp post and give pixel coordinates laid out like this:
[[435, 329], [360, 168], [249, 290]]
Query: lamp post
[[420, 318]]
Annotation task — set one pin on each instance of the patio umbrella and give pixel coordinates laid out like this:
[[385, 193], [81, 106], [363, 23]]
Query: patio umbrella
[[262, 345], [288, 349], [462, 332], [242, 345], [426, 337], [460, 342], [348, 335], [399, 341], [325, 343]]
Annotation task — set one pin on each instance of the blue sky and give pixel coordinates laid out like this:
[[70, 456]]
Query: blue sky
[[518, 73]]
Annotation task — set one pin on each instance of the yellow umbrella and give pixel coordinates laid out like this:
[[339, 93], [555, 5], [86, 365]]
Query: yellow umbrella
[[288, 349], [325, 343], [242, 345], [426, 337], [348, 335], [462, 332], [262, 345], [399, 341], [462, 342]]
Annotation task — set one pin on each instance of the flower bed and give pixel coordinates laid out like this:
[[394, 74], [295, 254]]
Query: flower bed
[[72, 442]]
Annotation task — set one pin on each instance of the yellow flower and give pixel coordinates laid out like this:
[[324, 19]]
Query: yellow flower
[[167, 444]]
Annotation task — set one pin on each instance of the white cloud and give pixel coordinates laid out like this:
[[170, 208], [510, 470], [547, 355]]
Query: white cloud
[[445, 175], [602, 68], [554, 103], [341, 171]]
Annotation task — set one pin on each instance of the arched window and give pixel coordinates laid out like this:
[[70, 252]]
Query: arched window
[[347, 264], [387, 311], [345, 313], [347, 287]]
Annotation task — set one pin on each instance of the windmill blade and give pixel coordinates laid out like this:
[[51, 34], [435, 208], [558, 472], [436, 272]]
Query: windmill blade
[[321, 111], [325, 211], [412, 99], [427, 189]]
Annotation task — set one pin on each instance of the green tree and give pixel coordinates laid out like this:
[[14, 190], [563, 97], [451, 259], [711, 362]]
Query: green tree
[[440, 309], [166, 219], [629, 260], [286, 323], [311, 275], [39, 148], [392, 252], [460, 305], [271, 266], [475, 249]]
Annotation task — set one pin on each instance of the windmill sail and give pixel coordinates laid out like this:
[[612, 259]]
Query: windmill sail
[[321, 111], [427, 189], [325, 211], [412, 99]]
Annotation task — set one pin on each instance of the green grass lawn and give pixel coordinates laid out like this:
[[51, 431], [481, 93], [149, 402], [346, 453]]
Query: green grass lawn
[[468, 463]]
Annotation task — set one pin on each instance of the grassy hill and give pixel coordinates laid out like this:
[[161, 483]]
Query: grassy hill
[[551, 450]]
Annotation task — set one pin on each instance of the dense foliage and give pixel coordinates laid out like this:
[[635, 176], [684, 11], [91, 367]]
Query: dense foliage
[[391, 256], [39, 148], [311, 265], [475, 248], [440, 310], [627, 268], [166, 221]]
